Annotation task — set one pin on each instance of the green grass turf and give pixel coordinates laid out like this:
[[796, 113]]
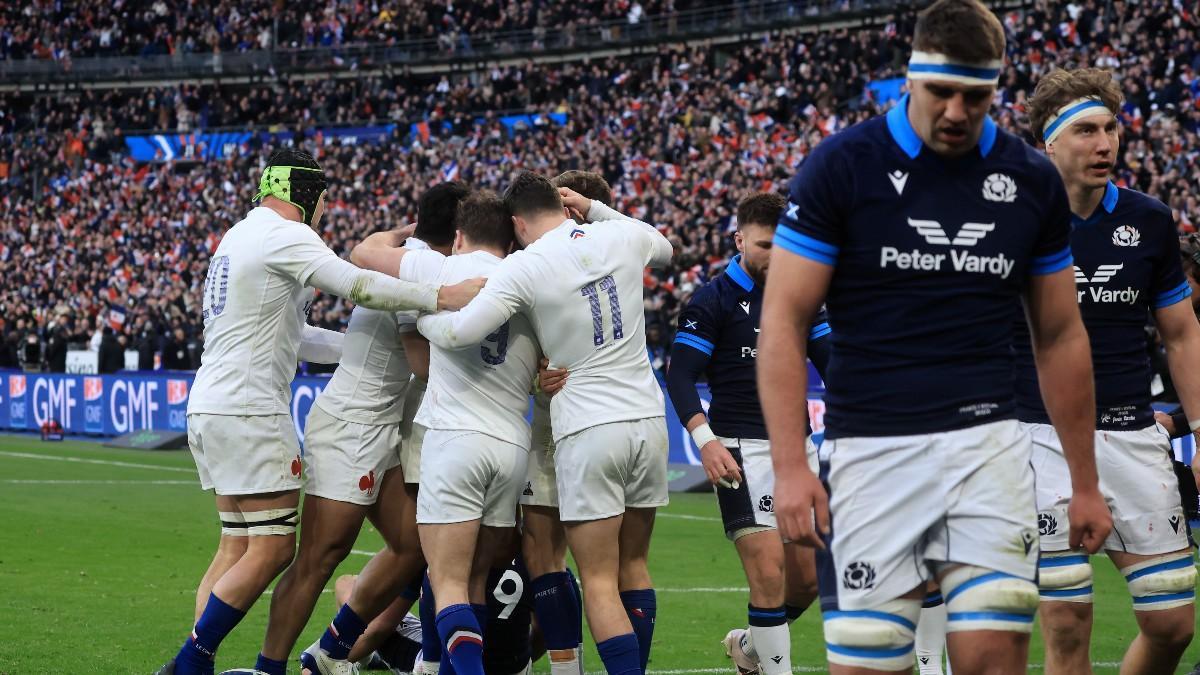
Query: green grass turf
[[100, 576]]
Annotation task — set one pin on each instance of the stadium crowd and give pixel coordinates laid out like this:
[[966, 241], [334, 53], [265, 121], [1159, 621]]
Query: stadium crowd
[[84, 28], [680, 134]]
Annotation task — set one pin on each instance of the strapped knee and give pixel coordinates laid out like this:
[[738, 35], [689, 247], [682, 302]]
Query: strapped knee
[[1163, 582], [981, 599], [1065, 577], [271, 522], [233, 524], [880, 638]]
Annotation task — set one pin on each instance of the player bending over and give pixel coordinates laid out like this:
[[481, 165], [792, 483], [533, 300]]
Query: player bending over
[[922, 230], [1126, 266], [581, 286], [256, 295], [718, 339]]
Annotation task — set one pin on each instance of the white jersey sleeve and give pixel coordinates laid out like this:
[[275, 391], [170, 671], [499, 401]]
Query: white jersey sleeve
[[422, 266], [319, 345], [408, 320], [658, 248], [510, 289], [369, 384]]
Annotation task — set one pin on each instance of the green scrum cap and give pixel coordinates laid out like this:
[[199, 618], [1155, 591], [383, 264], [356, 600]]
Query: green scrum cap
[[294, 177]]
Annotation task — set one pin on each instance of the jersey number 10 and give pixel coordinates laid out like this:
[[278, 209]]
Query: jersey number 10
[[216, 287], [589, 291]]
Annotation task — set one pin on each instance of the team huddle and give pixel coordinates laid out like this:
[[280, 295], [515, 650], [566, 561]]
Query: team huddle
[[957, 290]]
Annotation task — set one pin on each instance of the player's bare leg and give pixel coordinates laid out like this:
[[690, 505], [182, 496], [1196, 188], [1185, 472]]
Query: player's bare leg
[[930, 644], [230, 549], [328, 529], [800, 578], [450, 550], [842, 669], [591, 543], [390, 570], [766, 643], [1163, 634], [544, 549], [381, 627], [637, 590], [982, 652], [1067, 631]]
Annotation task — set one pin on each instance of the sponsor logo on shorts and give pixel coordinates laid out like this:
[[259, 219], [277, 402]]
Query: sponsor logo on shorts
[[1174, 521], [528, 489], [1046, 523], [766, 504], [1028, 538], [367, 483], [858, 576], [296, 466]]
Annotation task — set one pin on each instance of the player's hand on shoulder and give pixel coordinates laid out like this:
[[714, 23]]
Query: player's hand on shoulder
[[402, 233], [576, 202], [719, 465], [457, 296], [1091, 521], [801, 504], [550, 380]]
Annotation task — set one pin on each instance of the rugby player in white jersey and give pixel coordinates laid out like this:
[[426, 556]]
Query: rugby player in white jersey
[[352, 450], [258, 288], [581, 287]]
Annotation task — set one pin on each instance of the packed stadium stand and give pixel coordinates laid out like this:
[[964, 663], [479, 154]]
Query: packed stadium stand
[[108, 247]]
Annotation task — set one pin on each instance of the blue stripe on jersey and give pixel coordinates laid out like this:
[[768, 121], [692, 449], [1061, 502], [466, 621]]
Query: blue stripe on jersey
[[738, 275], [804, 245], [819, 331], [695, 342], [1051, 263], [1172, 296]]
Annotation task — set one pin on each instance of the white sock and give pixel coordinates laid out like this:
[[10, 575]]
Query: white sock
[[931, 640], [773, 645], [561, 664]]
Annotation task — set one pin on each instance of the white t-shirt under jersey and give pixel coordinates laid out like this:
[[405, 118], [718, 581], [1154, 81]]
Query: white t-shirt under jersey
[[581, 287], [485, 388], [368, 385], [255, 305]]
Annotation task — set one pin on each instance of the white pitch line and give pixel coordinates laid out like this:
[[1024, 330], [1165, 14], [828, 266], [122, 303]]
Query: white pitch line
[[105, 462], [356, 551], [684, 516], [18, 481]]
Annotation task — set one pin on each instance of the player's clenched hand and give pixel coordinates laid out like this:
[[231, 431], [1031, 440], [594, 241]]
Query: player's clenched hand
[[402, 233], [575, 201], [1090, 519], [551, 380], [801, 506], [457, 296], [719, 465]]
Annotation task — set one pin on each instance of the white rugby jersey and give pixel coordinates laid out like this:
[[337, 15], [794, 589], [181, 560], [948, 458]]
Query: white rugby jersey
[[581, 287], [484, 388], [368, 385], [408, 320]]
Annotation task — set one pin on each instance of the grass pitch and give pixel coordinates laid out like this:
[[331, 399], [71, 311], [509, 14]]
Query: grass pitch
[[101, 550]]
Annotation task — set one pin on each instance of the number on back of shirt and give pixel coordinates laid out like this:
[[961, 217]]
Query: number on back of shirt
[[508, 592], [499, 337], [609, 287], [216, 287]]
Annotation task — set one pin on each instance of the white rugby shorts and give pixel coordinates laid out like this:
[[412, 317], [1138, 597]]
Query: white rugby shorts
[[346, 461], [1137, 480], [541, 488], [752, 504], [245, 454], [901, 504], [467, 475], [603, 470]]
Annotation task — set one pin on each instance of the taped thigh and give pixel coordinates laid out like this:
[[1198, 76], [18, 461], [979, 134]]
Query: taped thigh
[[271, 522], [981, 599], [1064, 576], [881, 638], [233, 524], [1163, 582]]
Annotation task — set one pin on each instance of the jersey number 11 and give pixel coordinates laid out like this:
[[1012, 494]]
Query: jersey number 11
[[589, 291]]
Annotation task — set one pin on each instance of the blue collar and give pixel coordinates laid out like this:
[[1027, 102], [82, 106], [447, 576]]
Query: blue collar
[[908, 140], [738, 275], [1108, 202]]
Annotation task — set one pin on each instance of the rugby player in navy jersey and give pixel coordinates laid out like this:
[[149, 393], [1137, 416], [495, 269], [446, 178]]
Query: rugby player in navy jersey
[[1127, 268], [921, 230], [718, 339]]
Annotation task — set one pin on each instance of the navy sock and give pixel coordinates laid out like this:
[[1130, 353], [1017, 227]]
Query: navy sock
[[340, 636], [766, 616], [463, 638], [793, 612], [200, 649], [577, 620], [642, 607], [621, 655], [271, 666], [555, 606], [431, 644]]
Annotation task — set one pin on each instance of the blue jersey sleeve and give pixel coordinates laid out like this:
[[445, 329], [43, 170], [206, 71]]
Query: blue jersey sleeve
[[1052, 252], [819, 343], [1170, 285], [813, 223], [690, 353]]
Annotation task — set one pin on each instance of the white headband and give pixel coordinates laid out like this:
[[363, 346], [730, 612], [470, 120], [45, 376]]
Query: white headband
[[932, 66], [1072, 113]]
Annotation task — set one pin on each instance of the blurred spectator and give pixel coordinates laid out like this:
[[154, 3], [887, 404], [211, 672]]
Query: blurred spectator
[[175, 352], [112, 354]]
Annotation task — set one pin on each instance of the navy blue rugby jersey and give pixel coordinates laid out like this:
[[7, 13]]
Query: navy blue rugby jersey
[[718, 336], [1126, 266], [930, 255]]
